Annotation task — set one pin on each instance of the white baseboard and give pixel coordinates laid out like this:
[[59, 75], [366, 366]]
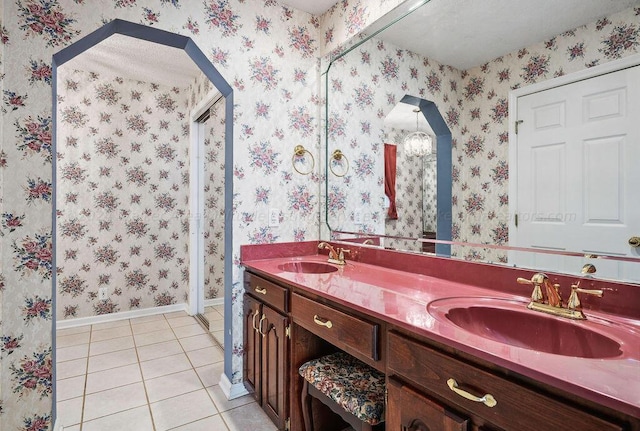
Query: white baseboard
[[132, 314], [231, 391], [57, 426], [214, 301]]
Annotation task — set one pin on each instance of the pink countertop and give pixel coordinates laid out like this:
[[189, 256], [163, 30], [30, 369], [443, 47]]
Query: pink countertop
[[401, 298]]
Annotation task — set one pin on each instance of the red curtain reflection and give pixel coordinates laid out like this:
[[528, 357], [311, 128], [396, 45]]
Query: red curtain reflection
[[390, 153]]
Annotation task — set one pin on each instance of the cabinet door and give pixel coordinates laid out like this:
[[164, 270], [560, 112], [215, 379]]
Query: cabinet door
[[251, 357], [408, 410], [274, 366]]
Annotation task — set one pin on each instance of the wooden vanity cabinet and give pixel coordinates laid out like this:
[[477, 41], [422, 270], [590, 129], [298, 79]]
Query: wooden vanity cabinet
[[285, 327], [351, 332], [429, 370], [266, 347], [252, 342]]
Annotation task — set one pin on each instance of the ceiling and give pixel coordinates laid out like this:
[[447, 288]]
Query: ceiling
[[468, 33], [314, 7], [402, 117], [137, 59]]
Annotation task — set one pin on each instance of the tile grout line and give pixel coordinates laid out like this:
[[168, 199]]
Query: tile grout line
[[144, 382], [198, 375], [86, 378], [194, 368], [128, 384], [136, 348]]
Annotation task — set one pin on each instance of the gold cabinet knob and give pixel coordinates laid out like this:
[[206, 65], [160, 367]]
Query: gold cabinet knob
[[322, 322], [634, 241]]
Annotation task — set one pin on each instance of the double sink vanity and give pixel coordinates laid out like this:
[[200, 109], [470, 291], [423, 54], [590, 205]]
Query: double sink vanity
[[456, 340]]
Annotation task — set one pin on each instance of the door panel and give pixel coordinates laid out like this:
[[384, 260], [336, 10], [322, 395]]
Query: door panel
[[577, 176], [252, 363], [274, 366]]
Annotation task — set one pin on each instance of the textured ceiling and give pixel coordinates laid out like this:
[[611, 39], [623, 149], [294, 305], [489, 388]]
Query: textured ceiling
[[402, 117], [468, 33], [137, 59]]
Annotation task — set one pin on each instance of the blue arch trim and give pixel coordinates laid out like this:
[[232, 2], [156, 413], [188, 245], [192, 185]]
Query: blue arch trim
[[150, 34], [443, 163]]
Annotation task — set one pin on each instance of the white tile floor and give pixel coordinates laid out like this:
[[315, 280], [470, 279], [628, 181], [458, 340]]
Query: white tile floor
[[215, 315], [153, 373]]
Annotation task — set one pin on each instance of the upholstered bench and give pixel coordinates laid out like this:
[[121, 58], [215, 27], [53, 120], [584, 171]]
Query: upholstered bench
[[351, 388]]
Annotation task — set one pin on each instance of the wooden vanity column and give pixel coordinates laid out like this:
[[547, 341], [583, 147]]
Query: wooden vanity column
[[266, 347]]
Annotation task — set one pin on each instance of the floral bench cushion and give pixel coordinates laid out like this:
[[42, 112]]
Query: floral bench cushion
[[352, 384]]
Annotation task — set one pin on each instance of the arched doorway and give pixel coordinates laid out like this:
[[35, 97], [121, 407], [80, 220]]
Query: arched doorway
[[120, 28]]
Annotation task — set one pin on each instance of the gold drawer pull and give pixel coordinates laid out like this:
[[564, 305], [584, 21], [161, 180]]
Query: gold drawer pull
[[261, 290], [319, 321], [487, 400]]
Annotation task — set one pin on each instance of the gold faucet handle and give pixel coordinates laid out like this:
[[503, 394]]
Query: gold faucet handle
[[332, 251], [341, 253], [595, 292], [574, 302], [537, 278], [536, 281]]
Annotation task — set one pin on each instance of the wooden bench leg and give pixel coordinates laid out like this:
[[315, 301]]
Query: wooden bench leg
[[306, 407]]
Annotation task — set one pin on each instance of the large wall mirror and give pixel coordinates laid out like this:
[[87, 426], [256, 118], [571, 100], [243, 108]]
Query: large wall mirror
[[531, 197]]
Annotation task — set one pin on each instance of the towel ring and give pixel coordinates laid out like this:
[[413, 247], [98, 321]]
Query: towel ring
[[338, 156], [299, 152]]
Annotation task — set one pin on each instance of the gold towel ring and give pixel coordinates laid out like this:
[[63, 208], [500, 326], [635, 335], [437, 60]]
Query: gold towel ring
[[338, 156], [298, 152]]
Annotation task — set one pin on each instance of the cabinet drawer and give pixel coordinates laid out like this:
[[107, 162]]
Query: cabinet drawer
[[515, 404], [267, 292], [350, 333], [410, 410]]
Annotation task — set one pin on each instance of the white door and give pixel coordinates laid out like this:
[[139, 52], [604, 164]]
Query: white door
[[578, 173]]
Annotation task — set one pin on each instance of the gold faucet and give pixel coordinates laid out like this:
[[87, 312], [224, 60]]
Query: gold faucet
[[553, 304], [335, 255], [574, 302], [552, 291]]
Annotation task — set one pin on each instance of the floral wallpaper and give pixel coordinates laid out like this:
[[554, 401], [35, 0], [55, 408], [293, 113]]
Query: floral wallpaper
[[123, 189], [429, 194], [347, 18], [365, 84]]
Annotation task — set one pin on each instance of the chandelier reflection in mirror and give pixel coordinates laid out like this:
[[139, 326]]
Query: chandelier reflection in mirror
[[417, 144]]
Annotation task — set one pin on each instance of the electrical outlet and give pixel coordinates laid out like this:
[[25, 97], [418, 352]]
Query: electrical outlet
[[102, 293], [357, 217], [274, 217]]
